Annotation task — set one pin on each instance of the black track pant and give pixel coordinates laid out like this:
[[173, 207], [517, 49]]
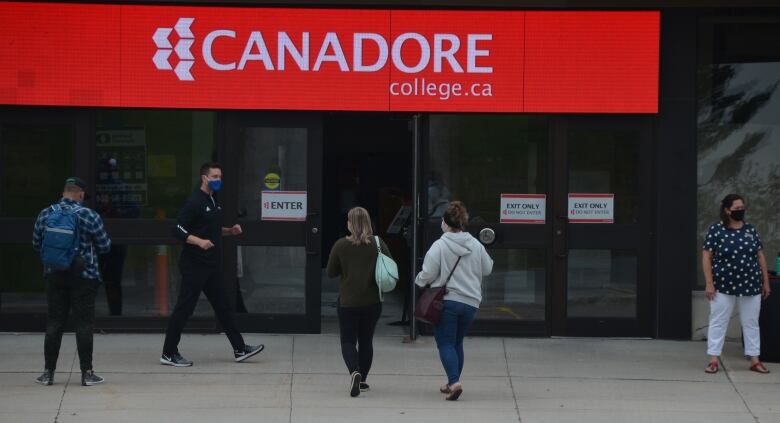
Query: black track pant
[[197, 278], [357, 325]]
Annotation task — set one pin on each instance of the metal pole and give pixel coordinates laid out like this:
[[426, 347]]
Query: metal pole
[[415, 223]]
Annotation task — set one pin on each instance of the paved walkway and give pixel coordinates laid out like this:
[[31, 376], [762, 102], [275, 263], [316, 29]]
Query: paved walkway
[[301, 378]]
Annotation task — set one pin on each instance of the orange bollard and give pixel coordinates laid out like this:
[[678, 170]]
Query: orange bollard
[[161, 280], [161, 283]]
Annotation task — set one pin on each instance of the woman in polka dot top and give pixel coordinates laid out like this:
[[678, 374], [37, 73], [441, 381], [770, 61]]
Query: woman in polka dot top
[[735, 272]]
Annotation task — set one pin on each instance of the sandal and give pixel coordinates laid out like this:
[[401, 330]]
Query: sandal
[[759, 367], [455, 390], [445, 389], [712, 367]]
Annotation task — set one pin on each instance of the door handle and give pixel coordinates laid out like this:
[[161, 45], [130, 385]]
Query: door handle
[[563, 231], [487, 236], [312, 231]]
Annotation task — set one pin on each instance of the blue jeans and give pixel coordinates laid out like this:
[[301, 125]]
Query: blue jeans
[[456, 319]]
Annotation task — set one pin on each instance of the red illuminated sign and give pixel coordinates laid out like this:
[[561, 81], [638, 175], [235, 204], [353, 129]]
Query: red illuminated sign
[[326, 59]]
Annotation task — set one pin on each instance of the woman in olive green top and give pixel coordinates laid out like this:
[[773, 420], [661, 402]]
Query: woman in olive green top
[[353, 258]]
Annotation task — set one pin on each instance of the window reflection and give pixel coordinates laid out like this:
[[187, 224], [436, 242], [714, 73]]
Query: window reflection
[[607, 162], [274, 159], [515, 290], [271, 280], [35, 159], [602, 283], [141, 280], [476, 158], [738, 137], [138, 280], [21, 285], [147, 161]]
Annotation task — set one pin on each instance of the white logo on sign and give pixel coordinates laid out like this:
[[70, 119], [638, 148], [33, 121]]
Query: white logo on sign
[[182, 49], [434, 53]]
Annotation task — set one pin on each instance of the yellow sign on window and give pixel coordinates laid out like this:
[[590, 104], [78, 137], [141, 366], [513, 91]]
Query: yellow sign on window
[[272, 180]]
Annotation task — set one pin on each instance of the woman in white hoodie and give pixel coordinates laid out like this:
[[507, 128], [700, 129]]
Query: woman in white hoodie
[[459, 250]]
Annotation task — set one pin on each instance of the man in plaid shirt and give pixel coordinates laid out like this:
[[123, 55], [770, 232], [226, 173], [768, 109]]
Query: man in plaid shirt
[[73, 289]]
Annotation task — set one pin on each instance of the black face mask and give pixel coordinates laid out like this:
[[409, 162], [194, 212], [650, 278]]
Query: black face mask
[[738, 215]]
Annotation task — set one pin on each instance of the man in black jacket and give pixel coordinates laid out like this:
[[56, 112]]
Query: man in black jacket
[[200, 227]]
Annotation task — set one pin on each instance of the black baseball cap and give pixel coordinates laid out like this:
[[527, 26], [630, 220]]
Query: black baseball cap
[[74, 180]]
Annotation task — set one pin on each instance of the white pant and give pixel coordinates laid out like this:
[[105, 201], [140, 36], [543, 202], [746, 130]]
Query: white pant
[[720, 313]]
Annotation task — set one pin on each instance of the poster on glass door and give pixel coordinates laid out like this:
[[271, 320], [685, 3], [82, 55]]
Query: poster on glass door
[[121, 171], [591, 208], [284, 206], [523, 208]]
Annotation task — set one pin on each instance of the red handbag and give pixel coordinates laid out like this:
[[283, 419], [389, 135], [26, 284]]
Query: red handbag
[[431, 302]]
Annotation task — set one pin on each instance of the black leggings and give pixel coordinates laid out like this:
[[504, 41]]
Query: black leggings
[[357, 326]]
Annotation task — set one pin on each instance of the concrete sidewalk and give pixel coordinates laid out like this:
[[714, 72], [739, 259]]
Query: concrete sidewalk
[[301, 378]]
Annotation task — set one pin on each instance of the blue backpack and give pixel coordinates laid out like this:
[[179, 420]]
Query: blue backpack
[[60, 238]]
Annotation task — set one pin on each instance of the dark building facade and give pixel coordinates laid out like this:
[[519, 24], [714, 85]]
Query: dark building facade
[[591, 142]]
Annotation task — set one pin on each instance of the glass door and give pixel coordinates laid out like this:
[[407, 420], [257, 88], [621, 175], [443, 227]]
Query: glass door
[[493, 163], [563, 206], [601, 232], [274, 192]]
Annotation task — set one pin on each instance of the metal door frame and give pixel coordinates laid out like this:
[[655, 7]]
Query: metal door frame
[[636, 236], [304, 234]]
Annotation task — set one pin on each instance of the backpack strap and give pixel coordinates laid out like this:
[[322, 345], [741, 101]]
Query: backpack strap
[[57, 206], [378, 248], [75, 210]]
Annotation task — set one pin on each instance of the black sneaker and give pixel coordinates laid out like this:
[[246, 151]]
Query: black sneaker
[[364, 387], [175, 360], [354, 386], [47, 378], [247, 351], [89, 378]]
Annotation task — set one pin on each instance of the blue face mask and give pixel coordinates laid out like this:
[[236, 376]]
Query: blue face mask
[[215, 185]]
